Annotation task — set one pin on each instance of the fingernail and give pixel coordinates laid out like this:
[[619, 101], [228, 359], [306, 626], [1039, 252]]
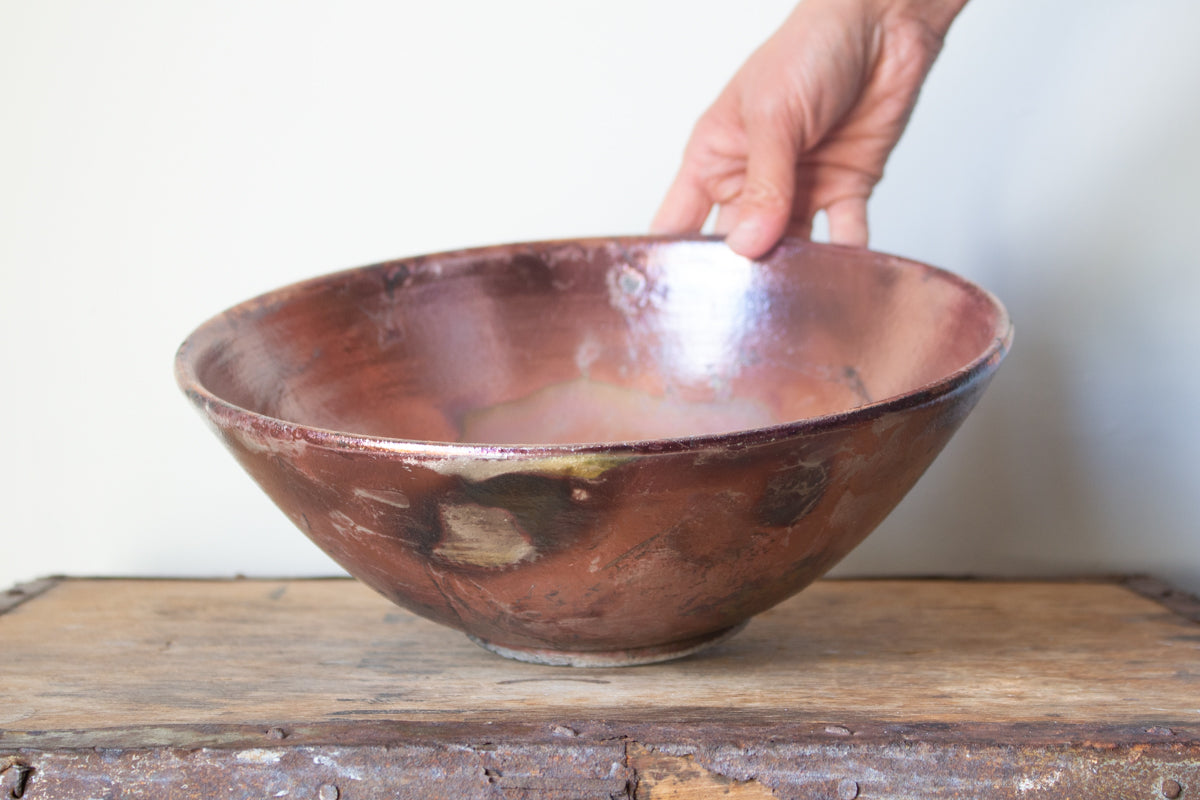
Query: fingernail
[[745, 238]]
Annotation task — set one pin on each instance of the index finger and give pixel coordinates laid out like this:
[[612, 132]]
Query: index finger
[[685, 207]]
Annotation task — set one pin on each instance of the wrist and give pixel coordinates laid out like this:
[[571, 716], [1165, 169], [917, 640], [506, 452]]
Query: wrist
[[936, 15]]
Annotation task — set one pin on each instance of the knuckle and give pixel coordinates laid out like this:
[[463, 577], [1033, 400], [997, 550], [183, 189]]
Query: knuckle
[[772, 109], [766, 195]]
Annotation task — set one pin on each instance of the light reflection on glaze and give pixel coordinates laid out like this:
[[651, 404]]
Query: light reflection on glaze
[[400, 415]]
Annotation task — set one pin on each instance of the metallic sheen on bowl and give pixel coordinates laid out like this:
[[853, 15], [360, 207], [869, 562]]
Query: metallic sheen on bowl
[[596, 452]]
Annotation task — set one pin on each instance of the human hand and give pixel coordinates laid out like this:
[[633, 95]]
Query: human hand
[[808, 123]]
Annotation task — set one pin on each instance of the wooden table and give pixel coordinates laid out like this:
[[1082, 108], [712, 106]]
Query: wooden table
[[321, 689]]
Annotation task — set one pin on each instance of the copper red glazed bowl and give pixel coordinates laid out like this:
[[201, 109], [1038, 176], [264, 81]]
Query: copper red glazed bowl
[[606, 451]]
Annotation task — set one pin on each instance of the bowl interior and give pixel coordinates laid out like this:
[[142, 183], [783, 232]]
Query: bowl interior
[[596, 342]]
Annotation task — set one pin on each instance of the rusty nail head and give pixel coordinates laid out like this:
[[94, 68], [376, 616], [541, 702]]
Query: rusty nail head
[[16, 779], [1171, 789], [847, 790], [328, 792]]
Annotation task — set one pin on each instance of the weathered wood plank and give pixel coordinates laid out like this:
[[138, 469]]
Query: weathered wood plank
[[97, 653], [24, 592], [853, 689]]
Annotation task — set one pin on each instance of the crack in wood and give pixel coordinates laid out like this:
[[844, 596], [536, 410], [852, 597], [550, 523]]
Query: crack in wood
[[668, 776]]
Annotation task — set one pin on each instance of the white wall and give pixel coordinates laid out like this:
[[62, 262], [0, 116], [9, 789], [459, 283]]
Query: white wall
[[161, 161]]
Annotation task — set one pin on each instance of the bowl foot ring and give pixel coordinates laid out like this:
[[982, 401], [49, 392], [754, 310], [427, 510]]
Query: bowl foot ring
[[631, 657]]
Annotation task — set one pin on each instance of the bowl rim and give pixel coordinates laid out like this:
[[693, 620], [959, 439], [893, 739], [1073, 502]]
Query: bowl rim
[[260, 425]]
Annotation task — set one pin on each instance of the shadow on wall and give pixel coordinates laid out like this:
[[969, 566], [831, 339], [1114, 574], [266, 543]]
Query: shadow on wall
[[1006, 496], [1081, 459]]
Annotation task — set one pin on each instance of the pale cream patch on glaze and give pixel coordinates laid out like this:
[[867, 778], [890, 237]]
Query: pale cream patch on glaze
[[717, 455], [482, 536], [585, 466], [387, 497], [886, 424], [288, 448], [587, 354], [854, 457], [348, 527], [889, 447]]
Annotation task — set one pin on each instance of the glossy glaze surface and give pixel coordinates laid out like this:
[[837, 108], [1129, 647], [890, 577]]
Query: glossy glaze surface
[[596, 451]]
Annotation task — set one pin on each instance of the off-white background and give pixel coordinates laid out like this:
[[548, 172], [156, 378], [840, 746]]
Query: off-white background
[[161, 161]]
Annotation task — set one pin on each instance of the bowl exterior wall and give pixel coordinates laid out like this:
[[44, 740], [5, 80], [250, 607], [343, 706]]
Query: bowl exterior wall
[[598, 551]]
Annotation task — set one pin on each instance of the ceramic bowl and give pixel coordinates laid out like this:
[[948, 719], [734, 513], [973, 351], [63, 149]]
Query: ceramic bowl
[[596, 452]]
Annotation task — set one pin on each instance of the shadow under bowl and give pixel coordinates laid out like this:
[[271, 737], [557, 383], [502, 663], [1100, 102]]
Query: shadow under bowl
[[596, 452]]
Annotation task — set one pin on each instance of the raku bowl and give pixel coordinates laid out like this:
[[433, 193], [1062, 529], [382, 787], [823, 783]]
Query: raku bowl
[[596, 452]]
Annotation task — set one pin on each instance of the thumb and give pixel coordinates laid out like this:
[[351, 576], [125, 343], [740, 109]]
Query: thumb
[[764, 205]]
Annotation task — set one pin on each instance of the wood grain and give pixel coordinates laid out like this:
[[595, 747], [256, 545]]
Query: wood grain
[[94, 654], [680, 777]]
